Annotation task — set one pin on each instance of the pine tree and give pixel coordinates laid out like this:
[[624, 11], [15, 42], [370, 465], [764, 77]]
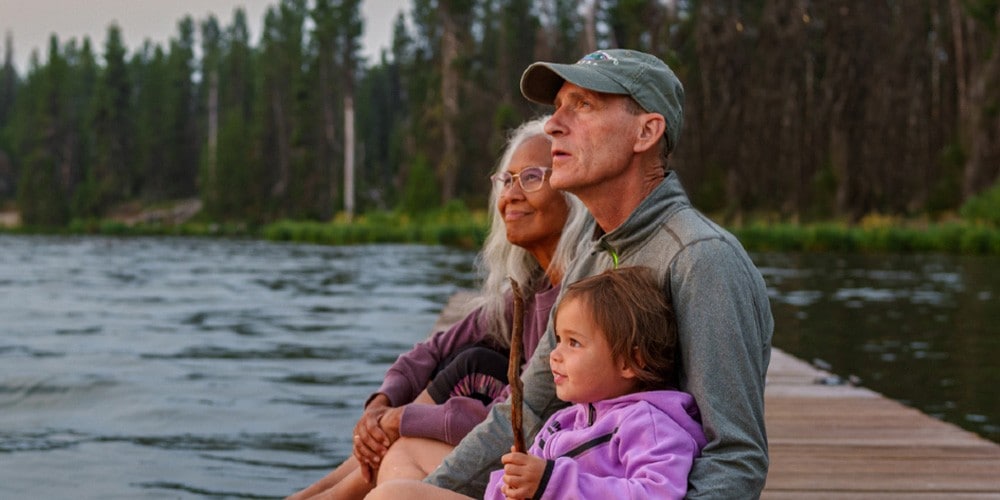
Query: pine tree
[[111, 177]]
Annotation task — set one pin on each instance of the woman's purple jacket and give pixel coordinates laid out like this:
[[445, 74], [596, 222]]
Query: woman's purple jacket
[[410, 374], [640, 445]]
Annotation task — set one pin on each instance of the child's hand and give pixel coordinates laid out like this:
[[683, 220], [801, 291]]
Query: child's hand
[[521, 474]]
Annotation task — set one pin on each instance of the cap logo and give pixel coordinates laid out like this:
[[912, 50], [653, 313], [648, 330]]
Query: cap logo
[[597, 57]]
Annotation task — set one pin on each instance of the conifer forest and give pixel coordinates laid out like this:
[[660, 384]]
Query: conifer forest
[[798, 109]]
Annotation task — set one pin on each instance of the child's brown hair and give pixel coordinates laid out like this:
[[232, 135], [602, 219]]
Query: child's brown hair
[[637, 317]]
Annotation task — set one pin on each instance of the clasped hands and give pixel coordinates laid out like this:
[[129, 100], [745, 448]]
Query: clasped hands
[[375, 431]]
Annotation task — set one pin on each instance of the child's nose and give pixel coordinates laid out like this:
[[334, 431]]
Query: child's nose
[[555, 355]]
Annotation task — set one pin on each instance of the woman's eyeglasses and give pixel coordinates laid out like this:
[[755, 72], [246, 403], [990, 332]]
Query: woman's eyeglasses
[[531, 179]]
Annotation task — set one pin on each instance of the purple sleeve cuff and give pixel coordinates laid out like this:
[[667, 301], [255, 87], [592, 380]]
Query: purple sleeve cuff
[[448, 422]]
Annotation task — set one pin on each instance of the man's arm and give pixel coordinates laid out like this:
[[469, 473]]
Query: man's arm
[[466, 470], [725, 328]]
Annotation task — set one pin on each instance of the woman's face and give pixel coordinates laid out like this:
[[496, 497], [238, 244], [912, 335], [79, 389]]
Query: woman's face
[[534, 220]]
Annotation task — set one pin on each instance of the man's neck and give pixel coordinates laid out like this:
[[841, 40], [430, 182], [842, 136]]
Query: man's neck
[[613, 202]]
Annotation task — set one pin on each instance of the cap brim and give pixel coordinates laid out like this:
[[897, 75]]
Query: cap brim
[[541, 81]]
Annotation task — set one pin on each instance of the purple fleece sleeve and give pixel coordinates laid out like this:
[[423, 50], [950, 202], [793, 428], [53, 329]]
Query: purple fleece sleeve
[[451, 421], [411, 372], [448, 422]]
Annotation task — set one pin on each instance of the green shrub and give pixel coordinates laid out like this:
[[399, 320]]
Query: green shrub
[[984, 207]]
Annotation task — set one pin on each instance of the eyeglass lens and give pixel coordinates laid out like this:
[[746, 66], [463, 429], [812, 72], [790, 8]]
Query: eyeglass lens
[[531, 179]]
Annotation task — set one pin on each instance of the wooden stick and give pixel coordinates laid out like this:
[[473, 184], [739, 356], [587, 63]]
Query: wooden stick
[[514, 368]]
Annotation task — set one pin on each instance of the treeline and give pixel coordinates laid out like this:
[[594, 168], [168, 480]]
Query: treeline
[[795, 109]]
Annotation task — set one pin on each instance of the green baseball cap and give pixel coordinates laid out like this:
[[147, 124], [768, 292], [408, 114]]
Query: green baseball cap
[[615, 71]]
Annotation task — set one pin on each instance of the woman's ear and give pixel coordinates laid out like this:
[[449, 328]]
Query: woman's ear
[[651, 130]]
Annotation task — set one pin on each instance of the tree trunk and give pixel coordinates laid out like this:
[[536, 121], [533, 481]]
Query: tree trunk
[[281, 130], [590, 28], [960, 56], [449, 100], [983, 164], [349, 156], [213, 133]]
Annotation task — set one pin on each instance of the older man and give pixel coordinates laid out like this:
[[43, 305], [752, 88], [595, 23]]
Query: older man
[[618, 116]]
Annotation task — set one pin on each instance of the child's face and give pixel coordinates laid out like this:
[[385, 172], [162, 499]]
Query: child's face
[[581, 362]]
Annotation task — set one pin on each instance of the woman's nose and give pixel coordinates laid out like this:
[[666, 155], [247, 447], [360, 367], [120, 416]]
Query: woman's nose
[[514, 192]]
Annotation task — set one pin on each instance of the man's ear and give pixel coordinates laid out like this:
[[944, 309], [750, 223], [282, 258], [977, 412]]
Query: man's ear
[[651, 129]]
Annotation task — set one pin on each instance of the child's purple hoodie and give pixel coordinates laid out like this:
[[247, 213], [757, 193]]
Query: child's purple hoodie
[[640, 445]]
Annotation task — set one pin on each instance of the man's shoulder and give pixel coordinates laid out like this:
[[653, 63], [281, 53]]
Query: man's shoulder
[[689, 225], [678, 231], [687, 236]]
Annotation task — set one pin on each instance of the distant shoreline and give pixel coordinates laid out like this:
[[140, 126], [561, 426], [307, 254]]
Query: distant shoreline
[[468, 229]]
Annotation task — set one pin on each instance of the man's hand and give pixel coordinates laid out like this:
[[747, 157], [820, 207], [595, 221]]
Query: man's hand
[[521, 474], [375, 431]]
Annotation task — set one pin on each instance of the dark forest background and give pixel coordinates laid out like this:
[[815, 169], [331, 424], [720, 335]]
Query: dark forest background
[[796, 110]]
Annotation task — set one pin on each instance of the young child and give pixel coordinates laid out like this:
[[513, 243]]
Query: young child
[[630, 433]]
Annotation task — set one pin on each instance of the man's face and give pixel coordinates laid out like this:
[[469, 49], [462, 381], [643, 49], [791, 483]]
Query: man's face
[[593, 135]]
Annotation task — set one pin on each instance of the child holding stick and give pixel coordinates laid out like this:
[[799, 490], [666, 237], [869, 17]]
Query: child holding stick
[[630, 434]]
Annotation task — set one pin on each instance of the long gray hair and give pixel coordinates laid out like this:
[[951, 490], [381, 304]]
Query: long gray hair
[[501, 260]]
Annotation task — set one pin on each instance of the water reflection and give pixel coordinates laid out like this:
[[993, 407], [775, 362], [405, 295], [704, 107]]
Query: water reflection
[[920, 329]]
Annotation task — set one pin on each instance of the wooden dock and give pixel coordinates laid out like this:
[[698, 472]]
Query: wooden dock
[[846, 442], [849, 442]]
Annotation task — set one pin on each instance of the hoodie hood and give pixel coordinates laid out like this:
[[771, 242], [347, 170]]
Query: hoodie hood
[[679, 406]]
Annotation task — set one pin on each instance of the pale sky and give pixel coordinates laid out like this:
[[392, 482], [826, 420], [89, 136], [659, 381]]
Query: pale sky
[[32, 22]]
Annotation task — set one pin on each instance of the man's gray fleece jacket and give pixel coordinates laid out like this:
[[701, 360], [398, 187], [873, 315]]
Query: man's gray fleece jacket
[[725, 327]]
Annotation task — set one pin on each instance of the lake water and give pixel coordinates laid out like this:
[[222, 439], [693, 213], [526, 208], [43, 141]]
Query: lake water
[[921, 329], [201, 368]]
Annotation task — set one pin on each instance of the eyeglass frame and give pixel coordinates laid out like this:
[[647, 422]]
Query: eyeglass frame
[[512, 177]]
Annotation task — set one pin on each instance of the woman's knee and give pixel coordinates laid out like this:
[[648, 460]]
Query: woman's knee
[[412, 458], [391, 490]]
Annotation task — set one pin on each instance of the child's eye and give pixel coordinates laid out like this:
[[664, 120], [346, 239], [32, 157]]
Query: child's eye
[[573, 343]]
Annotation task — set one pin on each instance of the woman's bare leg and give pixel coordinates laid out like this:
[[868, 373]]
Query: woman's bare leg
[[412, 489], [352, 487], [425, 398], [335, 476], [412, 458], [407, 458], [346, 481]]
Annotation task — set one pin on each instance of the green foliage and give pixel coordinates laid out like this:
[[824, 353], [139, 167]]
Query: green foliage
[[984, 207], [86, 201], [111, 123], [452, 226], [957, 238], [946, 193], [138, 128], [984, 12], [235, 186], [824, 194], [710, 194], [39, 197], [420, 192]]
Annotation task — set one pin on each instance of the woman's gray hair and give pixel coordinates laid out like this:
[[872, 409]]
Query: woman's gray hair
[[501, 260]]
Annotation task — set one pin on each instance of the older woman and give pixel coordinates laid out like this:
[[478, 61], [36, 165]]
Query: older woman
[[434, 394]]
